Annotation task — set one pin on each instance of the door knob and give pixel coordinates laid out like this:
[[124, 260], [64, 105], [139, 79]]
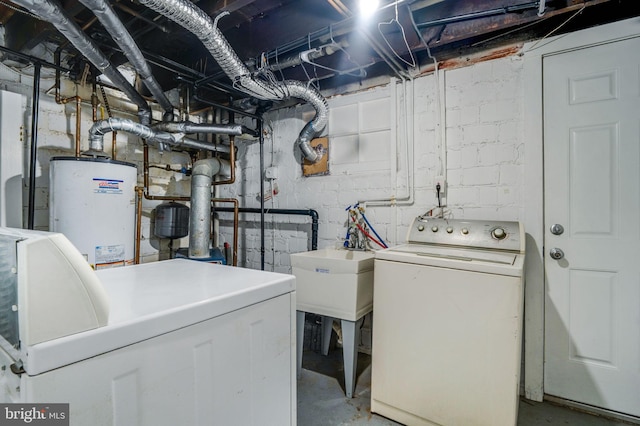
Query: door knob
[[556, 253], [557, 229]]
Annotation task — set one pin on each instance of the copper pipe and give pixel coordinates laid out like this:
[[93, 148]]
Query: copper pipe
[[232, 161], [139, 192], [145, 168], [63, 101], [78, 100], [114, 148], [78, 124], [145, 161], [94, 102], [235, 224]]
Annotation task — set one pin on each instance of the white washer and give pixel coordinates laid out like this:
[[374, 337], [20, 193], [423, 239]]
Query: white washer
[[447, 324]]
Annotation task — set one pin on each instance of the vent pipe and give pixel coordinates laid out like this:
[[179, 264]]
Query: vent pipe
[[193, 19], [189, 127], [101, 127], [200, 214], [51, 11], [110, 21]]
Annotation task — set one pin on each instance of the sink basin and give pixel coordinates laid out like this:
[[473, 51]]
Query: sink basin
[[333, 282]]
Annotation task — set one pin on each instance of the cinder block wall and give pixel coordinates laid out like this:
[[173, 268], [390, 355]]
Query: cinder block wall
[[480, 152]]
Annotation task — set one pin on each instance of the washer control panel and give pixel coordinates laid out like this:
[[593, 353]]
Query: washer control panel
[[500, 235]]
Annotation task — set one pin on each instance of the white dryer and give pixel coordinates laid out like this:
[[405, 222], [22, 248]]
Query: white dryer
[[447, 324], [168, 343]]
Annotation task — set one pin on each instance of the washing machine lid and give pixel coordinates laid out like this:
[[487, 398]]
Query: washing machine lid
[[497, 262], [156, 298]]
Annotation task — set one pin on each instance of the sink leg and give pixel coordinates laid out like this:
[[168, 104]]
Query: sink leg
[[350, 340], [327, 327], [299, 340]]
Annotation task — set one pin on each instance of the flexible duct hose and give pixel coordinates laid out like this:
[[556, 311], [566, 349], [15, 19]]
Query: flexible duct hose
[[195, 20]]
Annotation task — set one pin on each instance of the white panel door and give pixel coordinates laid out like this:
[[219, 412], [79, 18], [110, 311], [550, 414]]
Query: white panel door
[[592, 189]]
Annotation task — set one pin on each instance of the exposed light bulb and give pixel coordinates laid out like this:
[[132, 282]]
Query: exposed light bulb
[[368, 7]]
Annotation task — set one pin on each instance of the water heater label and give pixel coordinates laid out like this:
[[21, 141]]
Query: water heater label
[[109, 256], [107, 186]]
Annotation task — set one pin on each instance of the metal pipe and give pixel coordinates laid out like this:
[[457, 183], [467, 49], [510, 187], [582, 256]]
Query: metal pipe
[[196, 144], [145, 173], [311, 213], [35, 102], [53, 12], [114, 144], [139, 194], [190, 127], [232, 163], [200, 212], [223, 107], [33, 59], [63, 101], [78, 124], [195, 20], [236, 222], [110, 21], [94, 102], [480, 14], [101, 127], [262, 248], [141, 17]]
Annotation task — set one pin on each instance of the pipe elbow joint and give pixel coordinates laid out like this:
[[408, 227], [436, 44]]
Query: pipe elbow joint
[[208, 167], [168, 116], [145, 116], [312, 154]]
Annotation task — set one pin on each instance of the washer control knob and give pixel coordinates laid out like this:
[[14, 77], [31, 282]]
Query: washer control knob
[[449, 229], [420, 228], [465, 231], [498, 233], [434, 228]]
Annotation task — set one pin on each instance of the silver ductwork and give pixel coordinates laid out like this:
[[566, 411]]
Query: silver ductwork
[[101, 127], [199, 23], [200, 214], [51, 11], [189, 127], [110, 21]]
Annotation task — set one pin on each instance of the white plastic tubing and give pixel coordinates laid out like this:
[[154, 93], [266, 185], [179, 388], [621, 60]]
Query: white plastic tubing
[[405, 132], [193, 19]]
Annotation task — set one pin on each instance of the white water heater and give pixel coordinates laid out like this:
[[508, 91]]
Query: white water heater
[[92, 202]]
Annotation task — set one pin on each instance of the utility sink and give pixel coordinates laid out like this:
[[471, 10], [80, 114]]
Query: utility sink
[[334, 282]]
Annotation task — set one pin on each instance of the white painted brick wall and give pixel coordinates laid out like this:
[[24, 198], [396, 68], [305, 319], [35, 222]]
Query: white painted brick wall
[[484, 161]]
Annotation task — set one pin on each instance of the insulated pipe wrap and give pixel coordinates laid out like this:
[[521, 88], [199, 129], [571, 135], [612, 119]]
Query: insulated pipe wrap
[[106, 15], [189, 127], [100, 128], [200, 24], [51, 11]]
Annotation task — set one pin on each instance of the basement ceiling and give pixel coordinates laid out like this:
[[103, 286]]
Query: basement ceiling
[[324, 42]]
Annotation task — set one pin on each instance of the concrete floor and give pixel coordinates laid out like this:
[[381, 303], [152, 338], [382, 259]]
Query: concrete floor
[[322, 402]]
